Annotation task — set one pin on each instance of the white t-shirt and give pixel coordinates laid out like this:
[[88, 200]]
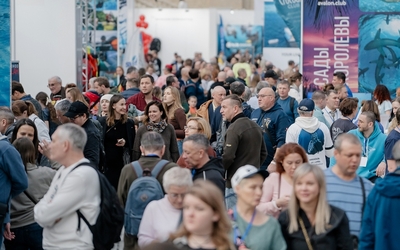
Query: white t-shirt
[[384, 106]]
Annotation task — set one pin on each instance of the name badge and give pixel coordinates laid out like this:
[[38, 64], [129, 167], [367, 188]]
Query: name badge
[[364, 161]]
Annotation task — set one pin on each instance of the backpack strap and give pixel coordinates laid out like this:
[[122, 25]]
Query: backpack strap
[[292, 104], [159, 166], [363, 194], [137, 168]]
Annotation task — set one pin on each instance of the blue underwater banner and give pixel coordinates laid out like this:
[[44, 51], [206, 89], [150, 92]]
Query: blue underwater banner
[[5, 54]]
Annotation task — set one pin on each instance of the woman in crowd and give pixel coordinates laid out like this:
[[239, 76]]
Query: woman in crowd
[[277, 188], [26, 128], [348, 108], [175, 113], [252, 229], [391, 139], [69, 86], [155, 120], [74, 94], [197, 125], [310, 222], [393, 121], [295, 81], [25, 109], [121, 78], [162, 217], [382, 99], [49, 112], [28, 234], [105, 103], [118, 138], [205, 223]]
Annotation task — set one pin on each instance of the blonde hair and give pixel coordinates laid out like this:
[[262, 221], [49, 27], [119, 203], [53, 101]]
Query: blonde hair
[[323, 210], [393, 124], [208, 192], [77, 95], [170, 110], [204, 126]]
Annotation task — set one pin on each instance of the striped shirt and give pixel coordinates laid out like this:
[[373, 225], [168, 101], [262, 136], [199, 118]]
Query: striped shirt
[[348, 196]]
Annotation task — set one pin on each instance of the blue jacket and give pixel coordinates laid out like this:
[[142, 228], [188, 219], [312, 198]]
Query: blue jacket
[[195, 89], [274, 124], [13, 179], [373, 148], [380, 225]]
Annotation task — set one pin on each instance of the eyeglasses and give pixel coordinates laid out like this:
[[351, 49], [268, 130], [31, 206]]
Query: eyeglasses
[[51, 85], [175, 196], [192, 128], [262, 96], [76, 117]]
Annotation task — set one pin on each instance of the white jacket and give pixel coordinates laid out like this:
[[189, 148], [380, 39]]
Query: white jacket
[[56, 212]]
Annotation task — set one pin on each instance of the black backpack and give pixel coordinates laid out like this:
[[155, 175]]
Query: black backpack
[[107, 229], [155, 44]]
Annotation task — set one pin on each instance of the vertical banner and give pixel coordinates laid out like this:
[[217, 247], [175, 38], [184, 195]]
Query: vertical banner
[[5, 54], [352, 37], [134, 53], [15, 71], [122, 29]]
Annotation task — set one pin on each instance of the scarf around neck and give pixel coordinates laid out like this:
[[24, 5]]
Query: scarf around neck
[[158, 127]]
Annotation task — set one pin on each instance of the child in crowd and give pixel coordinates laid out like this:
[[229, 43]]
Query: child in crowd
[[192, 106]]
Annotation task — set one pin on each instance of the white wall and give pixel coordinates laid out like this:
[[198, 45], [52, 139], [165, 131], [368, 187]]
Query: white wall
[[45, 42]]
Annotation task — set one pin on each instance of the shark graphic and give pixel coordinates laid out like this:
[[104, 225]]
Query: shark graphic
[[395, 60], [387, 19], [379, 43], [361, 72], [379, 65]]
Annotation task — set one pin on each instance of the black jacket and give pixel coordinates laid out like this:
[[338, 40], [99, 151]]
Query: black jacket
[[130, 130], [92, 147], [212, 171], [336, 237]]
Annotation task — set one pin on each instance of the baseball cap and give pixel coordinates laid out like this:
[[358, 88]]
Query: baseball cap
[[245, 172], [271, 73], [76, 108], [306, 105]]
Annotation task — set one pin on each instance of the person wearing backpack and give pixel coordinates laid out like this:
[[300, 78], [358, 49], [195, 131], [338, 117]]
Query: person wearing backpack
[[73, 189], [141, 173], [312, 135]]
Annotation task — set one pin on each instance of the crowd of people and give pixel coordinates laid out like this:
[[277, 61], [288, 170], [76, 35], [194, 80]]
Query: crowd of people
[[200, 155]]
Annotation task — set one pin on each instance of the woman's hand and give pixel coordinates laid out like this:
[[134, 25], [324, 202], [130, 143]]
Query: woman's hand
[[44, 148], [7, 232], [283, 202], [120, 142]]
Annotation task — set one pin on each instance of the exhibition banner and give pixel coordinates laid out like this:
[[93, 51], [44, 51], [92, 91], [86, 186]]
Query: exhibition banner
[[352, 37], [122, 28], [5, 54]]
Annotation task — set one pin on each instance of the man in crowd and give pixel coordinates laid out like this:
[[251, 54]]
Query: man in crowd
[[102, 86], [272, 78], [195, 155], [220, 81], [331, 110], [145, 95], [372, 164], [193, 87], [241, 133], [6, 122], [71, 190], [344, 188], [132, 89], [288, 103], [242, 75], [209, 109], [273, 122], [319, 98], [381, 218], [78, 113], [132, 73], [61, 108], [339, 79], [289, 70], [312, 135], [238, 88], [56, 88], [18, 93]]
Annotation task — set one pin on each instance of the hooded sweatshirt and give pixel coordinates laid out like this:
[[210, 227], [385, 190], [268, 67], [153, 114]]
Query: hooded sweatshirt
[[314, 137], [212, 171], [373, 149], [380, 225]]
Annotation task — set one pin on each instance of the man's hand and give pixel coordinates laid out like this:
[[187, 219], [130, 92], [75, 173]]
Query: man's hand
[[7, 232], [380, 170]]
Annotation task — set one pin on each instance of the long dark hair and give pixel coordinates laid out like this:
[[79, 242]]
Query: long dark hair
[[160, 107], [111, 112], [28, 122], [26, 149], [44, 99]]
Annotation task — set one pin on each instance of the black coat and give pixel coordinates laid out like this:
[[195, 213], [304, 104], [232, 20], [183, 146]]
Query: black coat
[[212, 171], [92, 148], [336, 237]]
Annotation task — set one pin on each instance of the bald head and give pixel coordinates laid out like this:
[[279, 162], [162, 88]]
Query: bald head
[[221, 76], [185, 72], [218, 94], [230, 73]]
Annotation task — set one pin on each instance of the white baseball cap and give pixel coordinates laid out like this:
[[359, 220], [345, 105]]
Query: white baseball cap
[[247, 171]]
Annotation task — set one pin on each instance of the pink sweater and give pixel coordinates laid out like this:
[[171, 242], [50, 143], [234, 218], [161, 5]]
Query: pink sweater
[[159, 219], [270, 193]]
